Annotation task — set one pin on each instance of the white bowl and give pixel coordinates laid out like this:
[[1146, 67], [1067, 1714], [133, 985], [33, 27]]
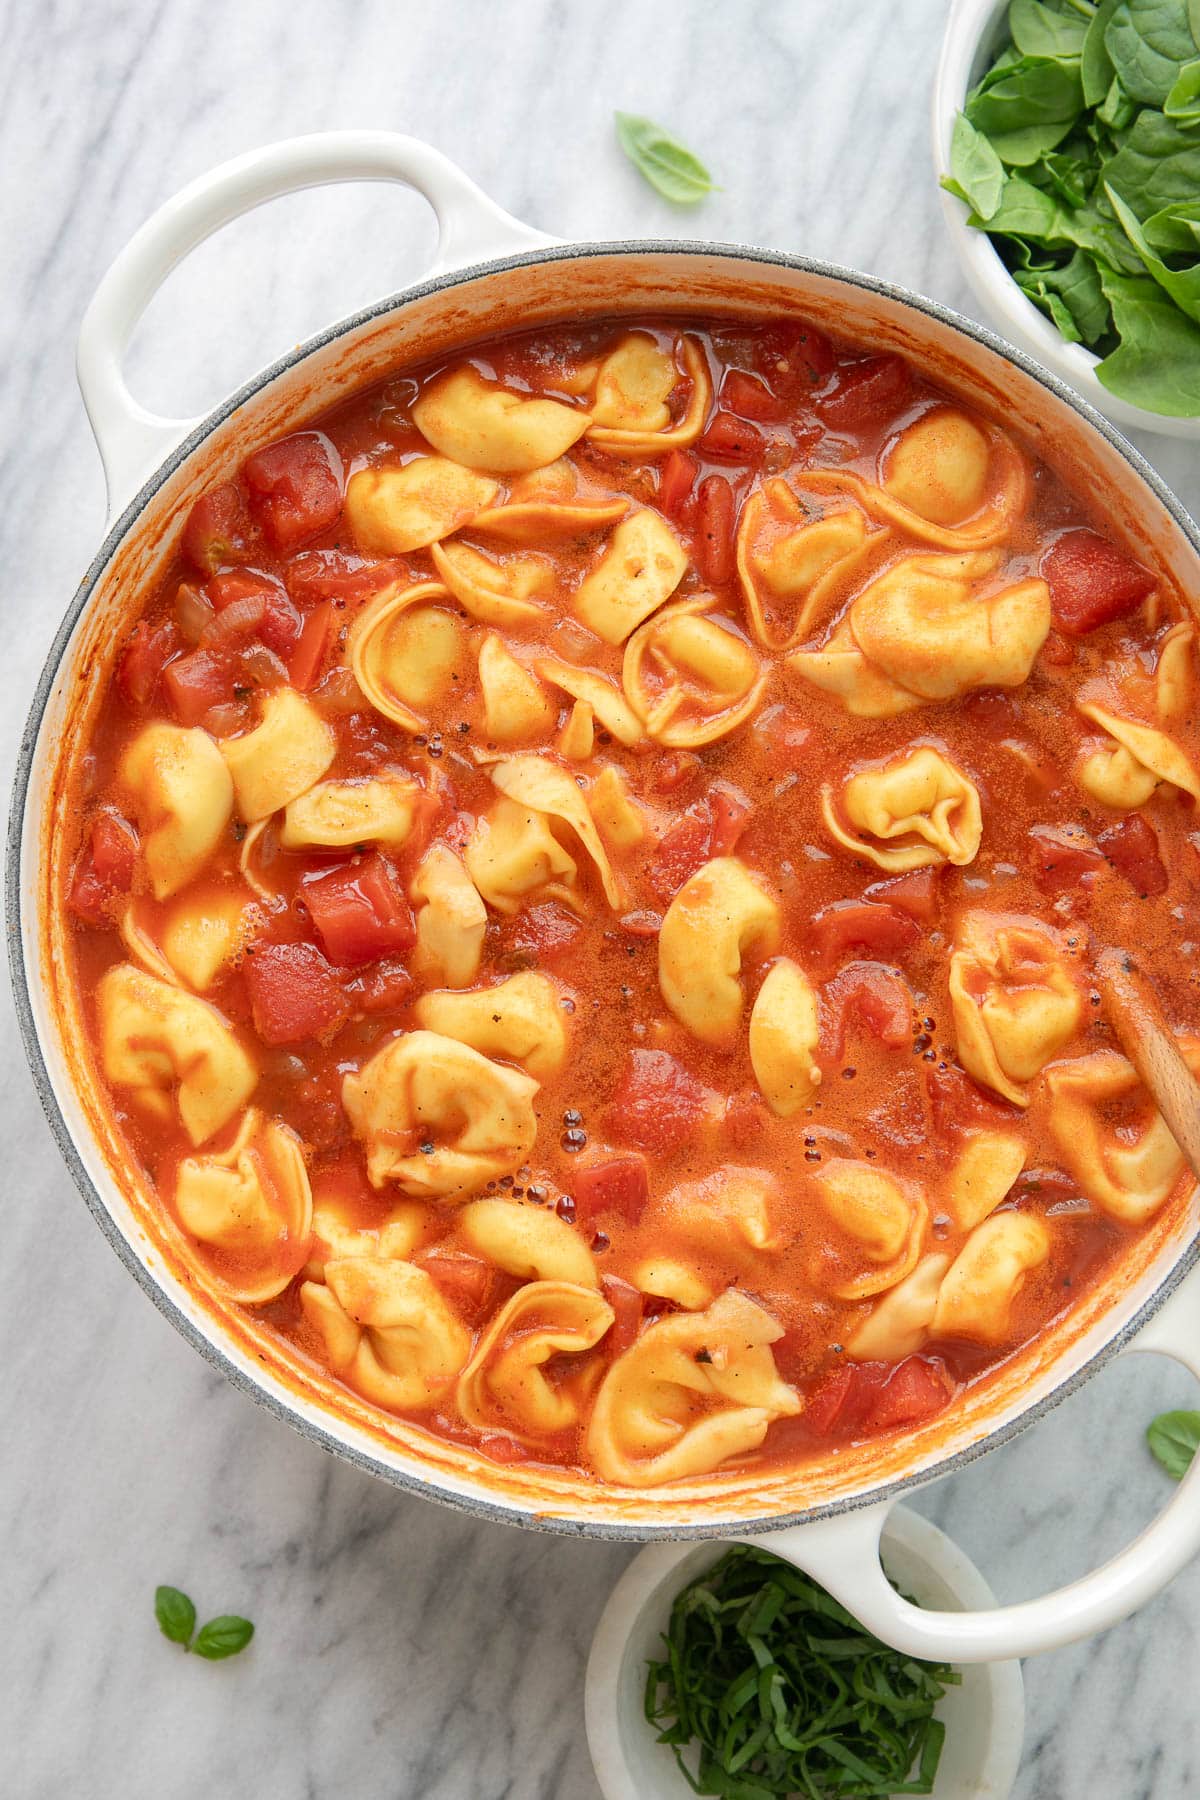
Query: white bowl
[[974, 33], [984, 1718]]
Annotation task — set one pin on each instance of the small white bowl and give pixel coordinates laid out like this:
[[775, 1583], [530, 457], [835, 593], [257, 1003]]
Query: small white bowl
[[975, 31], [984, 1718]]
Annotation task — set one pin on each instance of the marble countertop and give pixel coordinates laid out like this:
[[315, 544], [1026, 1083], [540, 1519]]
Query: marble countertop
[[402, 1649]]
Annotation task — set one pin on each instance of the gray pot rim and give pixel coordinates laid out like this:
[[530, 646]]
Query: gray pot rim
[[427, 1487]]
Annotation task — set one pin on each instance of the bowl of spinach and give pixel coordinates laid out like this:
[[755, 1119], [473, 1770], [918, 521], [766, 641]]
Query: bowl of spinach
[[1067, 142]]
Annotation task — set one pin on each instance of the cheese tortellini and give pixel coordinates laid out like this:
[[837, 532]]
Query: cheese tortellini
[[482, 425], [516, 706], [899, 1323], [339, 815], [695, 1390], [527, 1241], [882, 1216], [689, 678], [289, 749], [387, 1331], [717, 917], [406, 648], [501, 592], [250, 1204], [784, 1033], [394, 511], [920, 633], [1138, 758], [1016, 1003], [1126, 1167], [183, 799], [642, 565], [633, 383], [793, 556], [915, 811], [977, 1292], [171, 1050], [709, 1233], [521, 1019], [535, 786], [451, 920], [506, 1387], [438, 1118]]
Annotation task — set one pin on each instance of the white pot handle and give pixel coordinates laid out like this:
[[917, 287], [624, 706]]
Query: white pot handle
[[843, 1554], [471, 228]]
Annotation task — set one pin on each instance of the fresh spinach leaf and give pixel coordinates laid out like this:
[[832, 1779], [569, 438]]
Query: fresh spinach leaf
[[1183, 101], [1067, 176], [1029, 110], [1041, 30], [663, 161], [1147, 40], [1096, 65], [976, 168], [1157, 362], [175, 1614], [1158, 164], [1117, 110], [1175, 229], [1074, 289], [1173, 1438], [222, 1637], [1183, 285]]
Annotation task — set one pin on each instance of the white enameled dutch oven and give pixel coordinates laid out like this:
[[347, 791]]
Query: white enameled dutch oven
[[491, 274]]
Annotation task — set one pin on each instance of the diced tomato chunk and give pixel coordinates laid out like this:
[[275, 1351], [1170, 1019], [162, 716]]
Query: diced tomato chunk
[[677, 477], [149, 650], [823, 1408], [333, 575], [294, 994], [746, 1114], [360, 911], [1058, 651], [1131, 846], [876, 996], [541, 934], [751, 398], [673, 770], [465, 1280], [114, 850], [626, 1302], [1092, 581], [618, 1184], [501, 1449], [956, 1103], [385, 989], [915, 1390], [730, 815], [794, 357], [90, 897], [218, 528], [682, 850], [867, 395], [713, 529], [196, 682], [784, 732], [1062, 857], [915, 893], [871, 925], [277, 622], [730, 439], [308, 657], [295, 487], [658, 1104]]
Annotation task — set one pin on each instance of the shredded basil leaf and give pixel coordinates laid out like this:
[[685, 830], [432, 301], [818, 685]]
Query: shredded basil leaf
[[768, 1687], [662, 160]]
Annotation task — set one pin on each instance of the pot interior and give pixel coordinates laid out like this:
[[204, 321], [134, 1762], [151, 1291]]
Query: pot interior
[[547, 287]]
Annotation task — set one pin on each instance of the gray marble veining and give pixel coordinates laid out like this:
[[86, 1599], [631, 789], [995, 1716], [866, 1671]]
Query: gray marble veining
[[403, 1650]]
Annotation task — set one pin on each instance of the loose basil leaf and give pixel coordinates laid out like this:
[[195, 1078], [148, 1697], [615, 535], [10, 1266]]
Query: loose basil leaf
[[976, 168], [1183, 101], [1157, 165], [1175, 229], [175, 1614], [1096, 65], [666, 165], [1157, 362], [1173, 1438], [222, 1637], [1147, 40], [1029, 110], [1183, 285], [1039, 30]]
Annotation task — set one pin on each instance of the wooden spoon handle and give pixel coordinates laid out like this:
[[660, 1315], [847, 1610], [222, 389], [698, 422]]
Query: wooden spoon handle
[[1148, 1042]]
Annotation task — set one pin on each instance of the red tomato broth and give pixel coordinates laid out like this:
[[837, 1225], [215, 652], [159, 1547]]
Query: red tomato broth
[[875, 1101]]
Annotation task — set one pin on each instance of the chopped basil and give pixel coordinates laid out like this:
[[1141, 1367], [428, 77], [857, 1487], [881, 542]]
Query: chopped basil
[[784, 1692], [1079, 154]]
